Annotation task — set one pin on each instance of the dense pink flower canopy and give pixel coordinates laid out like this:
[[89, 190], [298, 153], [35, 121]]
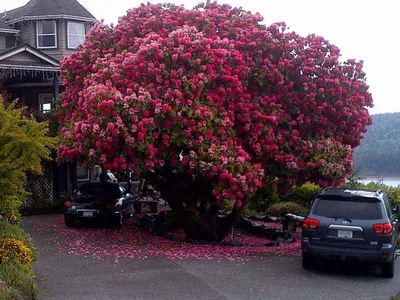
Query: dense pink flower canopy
[[246, 103]]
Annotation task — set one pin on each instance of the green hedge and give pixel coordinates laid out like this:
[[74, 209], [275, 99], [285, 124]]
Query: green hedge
[[19, 280], [8, 230], [304, 193], [393, 192], [283, 208]]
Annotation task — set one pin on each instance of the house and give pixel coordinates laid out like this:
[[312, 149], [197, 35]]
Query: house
[[34, 39]]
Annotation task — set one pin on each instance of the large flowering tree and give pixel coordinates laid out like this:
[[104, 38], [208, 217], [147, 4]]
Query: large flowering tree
[[231, 104]]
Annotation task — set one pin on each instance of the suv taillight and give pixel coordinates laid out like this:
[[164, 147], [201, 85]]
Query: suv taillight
[[383, 229], [309, 223]]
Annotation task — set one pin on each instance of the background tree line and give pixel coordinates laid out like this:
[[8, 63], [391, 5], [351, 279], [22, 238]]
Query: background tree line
[[379, 152]]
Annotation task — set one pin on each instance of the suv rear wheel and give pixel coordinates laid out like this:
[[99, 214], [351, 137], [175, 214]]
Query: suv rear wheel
[[308, 262], [387, 269]]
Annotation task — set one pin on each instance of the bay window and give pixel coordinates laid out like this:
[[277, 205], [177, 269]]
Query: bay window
[[75, 34], [46, 34]]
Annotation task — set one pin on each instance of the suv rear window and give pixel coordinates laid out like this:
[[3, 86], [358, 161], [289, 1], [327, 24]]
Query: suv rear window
[[358, 208]]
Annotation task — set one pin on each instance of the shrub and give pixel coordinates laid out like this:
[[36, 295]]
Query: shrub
[[10, 294], [250, 212], [283, 208], [8, 230], [263, 198], [304, 193], [226, 205], [393, 192], [20, 282], [13, 249]]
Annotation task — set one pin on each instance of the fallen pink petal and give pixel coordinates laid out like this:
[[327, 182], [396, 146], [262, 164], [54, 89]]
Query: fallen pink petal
[[136, 243]]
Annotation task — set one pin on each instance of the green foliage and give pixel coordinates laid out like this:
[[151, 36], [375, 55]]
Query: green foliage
[[283, 208], [15, 250], [226, 205], [393, 192], [250, 212], [262, 199], [8, 230], [16, 256], [304, 193], [379, 151], [24, 143], [10, 294], [20, 281]]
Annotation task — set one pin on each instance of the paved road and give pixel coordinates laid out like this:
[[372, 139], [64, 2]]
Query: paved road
[[64, 276]]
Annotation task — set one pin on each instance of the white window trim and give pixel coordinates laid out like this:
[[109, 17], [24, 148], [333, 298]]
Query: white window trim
[[80, 35], [88, 173], [42, 101], [46, 34]]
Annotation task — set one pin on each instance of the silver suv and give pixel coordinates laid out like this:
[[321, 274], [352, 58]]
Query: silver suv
[[351, 224]]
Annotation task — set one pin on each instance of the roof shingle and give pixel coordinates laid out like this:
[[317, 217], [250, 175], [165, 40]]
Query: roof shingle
[[39, 8]]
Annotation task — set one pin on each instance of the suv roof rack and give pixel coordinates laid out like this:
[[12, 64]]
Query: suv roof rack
[[327, 189], [380, 191]]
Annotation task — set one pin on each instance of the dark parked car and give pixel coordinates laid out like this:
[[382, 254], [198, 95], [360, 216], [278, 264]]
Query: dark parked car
[[108, 201], [351, 224]]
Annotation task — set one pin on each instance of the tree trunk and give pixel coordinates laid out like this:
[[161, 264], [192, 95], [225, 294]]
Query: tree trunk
[[181, 189]]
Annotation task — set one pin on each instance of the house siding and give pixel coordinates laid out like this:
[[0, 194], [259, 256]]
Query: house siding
[[58, 52], [10, 41], [28, 36], [27, 33], [2, 42], [25, 58]]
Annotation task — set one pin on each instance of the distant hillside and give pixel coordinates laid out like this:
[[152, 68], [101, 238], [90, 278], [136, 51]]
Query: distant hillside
[[379, 152]]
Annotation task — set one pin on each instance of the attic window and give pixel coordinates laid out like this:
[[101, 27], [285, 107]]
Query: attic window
[[46, 34], [76, 34]]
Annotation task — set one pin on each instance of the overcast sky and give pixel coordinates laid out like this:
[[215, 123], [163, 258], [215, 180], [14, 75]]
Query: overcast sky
[[362, 29]]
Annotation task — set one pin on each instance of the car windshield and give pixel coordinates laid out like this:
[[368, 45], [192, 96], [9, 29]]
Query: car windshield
[[358, 208], [103, 190]]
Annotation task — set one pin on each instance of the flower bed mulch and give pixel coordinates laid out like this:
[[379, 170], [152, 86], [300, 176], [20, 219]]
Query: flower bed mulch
[[137, 243]]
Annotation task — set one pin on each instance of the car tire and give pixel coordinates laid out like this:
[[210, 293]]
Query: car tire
[[68, 222], [387, 269], [118, 220], [308, 262]]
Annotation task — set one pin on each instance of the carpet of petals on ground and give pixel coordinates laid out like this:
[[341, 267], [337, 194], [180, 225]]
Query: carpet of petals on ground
[[136, 243]]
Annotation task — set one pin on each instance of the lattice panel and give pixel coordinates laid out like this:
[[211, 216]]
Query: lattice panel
[[41, 188]]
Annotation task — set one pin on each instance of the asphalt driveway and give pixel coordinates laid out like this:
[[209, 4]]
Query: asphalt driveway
[[62, 275]]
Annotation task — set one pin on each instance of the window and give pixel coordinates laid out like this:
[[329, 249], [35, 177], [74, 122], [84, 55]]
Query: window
[[46, 34], [76, 34], [348, 208], [45, 103], [388, 206], [82, 172]]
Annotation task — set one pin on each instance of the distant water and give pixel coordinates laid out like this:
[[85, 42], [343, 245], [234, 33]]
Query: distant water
[[390, 181]]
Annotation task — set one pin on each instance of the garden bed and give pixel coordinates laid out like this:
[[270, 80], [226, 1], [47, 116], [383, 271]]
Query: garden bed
[[17, 279]]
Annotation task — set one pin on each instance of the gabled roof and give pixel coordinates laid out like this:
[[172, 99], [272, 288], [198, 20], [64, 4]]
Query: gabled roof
[[25, 57], [49, 9], [5, 28]]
